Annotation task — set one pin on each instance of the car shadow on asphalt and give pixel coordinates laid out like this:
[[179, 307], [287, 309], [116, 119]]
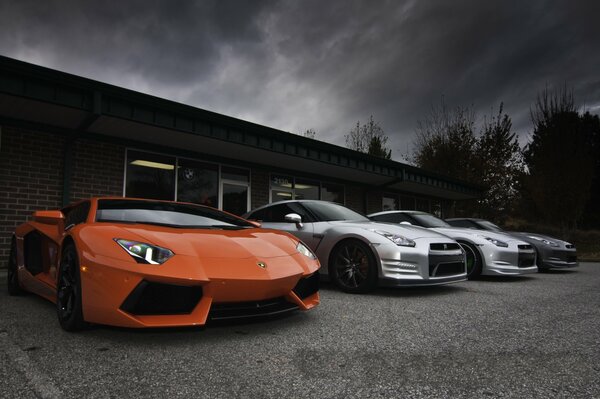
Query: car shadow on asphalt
[[505, 279], [434, 290], [559, 271]]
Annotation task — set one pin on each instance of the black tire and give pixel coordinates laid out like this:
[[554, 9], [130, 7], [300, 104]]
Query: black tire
[[474, 261], [68, 291], [12, 275], [538, 263], [353, 267]]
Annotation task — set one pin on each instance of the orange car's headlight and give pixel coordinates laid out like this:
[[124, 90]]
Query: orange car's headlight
[[145, 253], [304, 250]]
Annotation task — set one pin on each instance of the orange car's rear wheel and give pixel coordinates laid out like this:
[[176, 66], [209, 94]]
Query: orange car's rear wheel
[[12, 275], [68, 291]]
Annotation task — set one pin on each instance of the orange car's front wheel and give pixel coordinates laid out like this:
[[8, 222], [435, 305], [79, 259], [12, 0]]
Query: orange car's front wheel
[[68, 291]]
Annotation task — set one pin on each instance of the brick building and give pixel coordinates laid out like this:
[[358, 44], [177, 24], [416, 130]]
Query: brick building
[[65, 138]]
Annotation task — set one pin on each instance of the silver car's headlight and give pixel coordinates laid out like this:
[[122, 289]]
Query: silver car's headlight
[[145, 253], [304, 250], [497, 243], [547, 242], [396, 238]]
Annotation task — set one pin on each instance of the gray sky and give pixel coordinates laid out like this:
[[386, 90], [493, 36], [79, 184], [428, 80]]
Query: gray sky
[[320, 64]]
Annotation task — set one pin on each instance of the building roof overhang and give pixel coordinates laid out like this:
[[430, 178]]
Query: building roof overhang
[[47, 97]]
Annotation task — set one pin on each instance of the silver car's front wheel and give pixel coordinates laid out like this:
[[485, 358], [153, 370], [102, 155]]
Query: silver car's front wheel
[[353, 267]]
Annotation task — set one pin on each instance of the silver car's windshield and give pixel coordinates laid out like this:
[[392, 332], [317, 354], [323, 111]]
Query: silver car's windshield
[[327, 212], [489, 225], [427, 220]]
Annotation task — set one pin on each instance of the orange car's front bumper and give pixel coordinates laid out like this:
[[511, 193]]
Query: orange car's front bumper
[[184, 290]]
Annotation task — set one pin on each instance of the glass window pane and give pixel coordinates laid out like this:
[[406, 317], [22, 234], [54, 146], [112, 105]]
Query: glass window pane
[[436, 208], [306, 189], [229, 173], [281, 188], [277, 195], [389, 203], [150, 176], [235, 199], [332, 192], [198, 182], [280, 182]]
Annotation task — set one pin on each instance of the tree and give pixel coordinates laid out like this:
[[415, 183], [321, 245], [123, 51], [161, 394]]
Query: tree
[[310, 133], [499, 162], [591, 214], [369, 138], [559, 159], [445, 142]]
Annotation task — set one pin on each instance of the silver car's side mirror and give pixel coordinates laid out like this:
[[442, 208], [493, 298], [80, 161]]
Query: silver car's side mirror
[[405, 222], [294, 218]]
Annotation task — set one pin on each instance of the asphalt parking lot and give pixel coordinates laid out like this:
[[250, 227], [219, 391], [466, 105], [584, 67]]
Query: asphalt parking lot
[[536, 336]]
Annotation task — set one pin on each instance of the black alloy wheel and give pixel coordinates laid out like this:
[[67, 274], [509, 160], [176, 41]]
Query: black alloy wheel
[[12, 275], [473, 258], [353, 267], [68, 291]]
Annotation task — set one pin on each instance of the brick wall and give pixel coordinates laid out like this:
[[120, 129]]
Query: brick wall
[[374, 199], [97, 170], [31, 165], [260, 188], [355, 198]]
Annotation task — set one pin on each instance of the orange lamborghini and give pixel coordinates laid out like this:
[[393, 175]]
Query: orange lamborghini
[[145, 263]]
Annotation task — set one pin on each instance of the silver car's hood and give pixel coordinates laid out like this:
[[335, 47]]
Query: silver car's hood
[[460, 231], [408, 231]]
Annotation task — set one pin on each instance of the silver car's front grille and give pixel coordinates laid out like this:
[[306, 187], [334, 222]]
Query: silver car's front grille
[[525, 246], [444, 246], [526, 259]]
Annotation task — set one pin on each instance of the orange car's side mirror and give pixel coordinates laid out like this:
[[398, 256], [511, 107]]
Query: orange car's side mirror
[[49, 217]]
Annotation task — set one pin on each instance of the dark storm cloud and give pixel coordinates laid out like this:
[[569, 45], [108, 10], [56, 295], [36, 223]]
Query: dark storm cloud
[[295, 65]]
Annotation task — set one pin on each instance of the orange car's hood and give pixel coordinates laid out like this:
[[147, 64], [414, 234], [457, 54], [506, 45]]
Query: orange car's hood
[[239, 244]]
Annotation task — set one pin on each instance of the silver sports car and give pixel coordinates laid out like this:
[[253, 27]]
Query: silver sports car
[[551, 252], [358, 254], [487, 252]]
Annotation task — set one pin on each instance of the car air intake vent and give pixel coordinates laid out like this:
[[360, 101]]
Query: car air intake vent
[[444, 247], [237, 310], [570, 246], [447, 269], [525, 246], [526, 260], [307, 286], [150, 298]]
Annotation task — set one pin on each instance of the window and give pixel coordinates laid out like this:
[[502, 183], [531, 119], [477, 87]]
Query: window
[[198, 182], [150, 176], [235, 189], [281, 188], [154, 176], [389, 202], [306, 189], [288, 188]]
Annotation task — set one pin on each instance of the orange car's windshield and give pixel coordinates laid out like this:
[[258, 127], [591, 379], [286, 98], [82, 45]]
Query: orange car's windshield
[[167, 214]]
